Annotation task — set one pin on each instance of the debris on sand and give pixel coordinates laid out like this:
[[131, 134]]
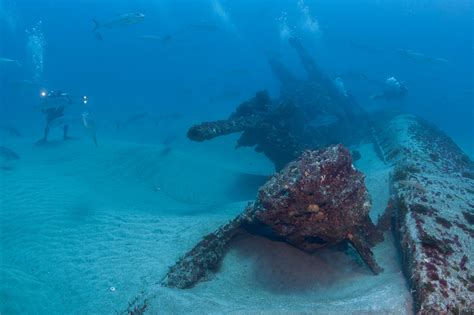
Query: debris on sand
[[430, 197], [318, 200]]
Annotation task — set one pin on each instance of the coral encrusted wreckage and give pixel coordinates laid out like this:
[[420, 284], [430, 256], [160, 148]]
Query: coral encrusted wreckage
[[433, 197], [318, 200]]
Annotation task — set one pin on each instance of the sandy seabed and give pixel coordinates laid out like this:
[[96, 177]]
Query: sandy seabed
[[86, 230]]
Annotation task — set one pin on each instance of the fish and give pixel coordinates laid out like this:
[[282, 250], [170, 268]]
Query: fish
[[119, 21], [8, 154], [152, 37], [440, 60], [89, 124], [204, 27], [165, 151], [164, 39], [11, 131], [9, 61], [419, 57]]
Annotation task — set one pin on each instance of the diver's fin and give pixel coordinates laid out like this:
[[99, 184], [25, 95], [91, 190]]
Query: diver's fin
[[96, 25]]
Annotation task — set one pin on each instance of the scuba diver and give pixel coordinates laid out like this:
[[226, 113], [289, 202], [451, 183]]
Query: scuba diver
[[394, 90], [53, 106]]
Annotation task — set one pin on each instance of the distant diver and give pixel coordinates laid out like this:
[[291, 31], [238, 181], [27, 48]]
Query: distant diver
[[54, 104], [394, 90]]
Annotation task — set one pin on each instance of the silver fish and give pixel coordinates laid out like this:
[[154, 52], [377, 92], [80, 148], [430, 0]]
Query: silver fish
[[419, 57], [163, 39], [151, 37], [9, 61], [119, 21], [8, 154], [89, 123]]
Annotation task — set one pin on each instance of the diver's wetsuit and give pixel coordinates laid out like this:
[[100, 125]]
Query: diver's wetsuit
[[51, 115], [55, 112]]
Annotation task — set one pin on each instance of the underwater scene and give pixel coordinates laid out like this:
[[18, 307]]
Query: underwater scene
[[236, 157]]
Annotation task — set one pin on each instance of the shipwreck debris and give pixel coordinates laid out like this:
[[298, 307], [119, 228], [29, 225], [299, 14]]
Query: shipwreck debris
[[318, 200], [431, 213], [310, 113]]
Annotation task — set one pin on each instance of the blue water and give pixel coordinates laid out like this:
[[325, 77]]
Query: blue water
[[62, 243], [125, 74]]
